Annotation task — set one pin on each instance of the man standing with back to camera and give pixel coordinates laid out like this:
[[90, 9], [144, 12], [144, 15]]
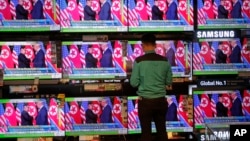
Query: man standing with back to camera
[[151, 74]]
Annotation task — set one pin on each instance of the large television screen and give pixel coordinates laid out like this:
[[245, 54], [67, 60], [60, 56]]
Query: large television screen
[[177, 52], [93, 60], [160, 15], [223, 14], [95, 116], [29, 60], [93, 16], [31, 117], [220, 108], [221, 56], [179, 121], [29, 15]]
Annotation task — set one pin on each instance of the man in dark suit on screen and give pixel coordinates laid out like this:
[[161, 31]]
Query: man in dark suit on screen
[[236, 109], [220, 108], [26, 119], [42, 116], [220, 57], [37, 10], [89, 14], [21, 13], [235, 56], [157, 14], [170, 54], [91, 117], [39, 60], [172, 110], [91, 61], [23, 61], [106, 115], [171, 13], [106, 60], [105, 11], [236, 10], [222, 12]]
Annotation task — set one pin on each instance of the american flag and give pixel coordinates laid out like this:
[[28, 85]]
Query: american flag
[[201, 13], [133, 17], [64, 15], [130, 53], [125, 12], [111, 48], [150, 4], [15, 53], [58, 10], [13, 4], [214, 47], [61, 122], [3, 121], [191, 13], [19, 109], [132, 116], [68, 118], [81, 5], [198, 113], [66, 61], [83, 52], [214, 100], [84, 107], [215, 7], [197, 59]]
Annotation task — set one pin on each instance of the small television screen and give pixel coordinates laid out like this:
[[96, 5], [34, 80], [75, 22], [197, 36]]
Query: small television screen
[[160, 15], [93, 60], [95, 116], [221, 56], [180, 121], [29, 15], [220, 108], [93, 16], [177, 52], [31, 117], [223, 14], [29, 60]]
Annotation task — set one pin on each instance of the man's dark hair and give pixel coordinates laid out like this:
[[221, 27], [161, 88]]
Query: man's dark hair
[[148, 38]]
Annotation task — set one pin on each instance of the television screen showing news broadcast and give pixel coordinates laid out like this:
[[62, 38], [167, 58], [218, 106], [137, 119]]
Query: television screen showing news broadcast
[[93, 15], [29, 60], [177, 52], [29, 15], [179, 121], [95, 116], [223, 14], [221, 56], [219, 109], [31, 117], [93, 60], [160, 15]]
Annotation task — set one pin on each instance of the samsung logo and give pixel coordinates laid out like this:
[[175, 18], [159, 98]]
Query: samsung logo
[[216, 34]]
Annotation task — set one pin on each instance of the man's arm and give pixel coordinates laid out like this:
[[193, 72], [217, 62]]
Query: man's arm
[[169, 75], [134, 79]]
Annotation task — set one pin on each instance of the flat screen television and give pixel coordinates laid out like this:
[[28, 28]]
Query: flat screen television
[[161, 15], [31, 117], [223, 14], [183, 121], [93, 60], [220, 108], [221, 56], [29, 15], [177, 53], [20, 61], [90, 16], [95, 116]]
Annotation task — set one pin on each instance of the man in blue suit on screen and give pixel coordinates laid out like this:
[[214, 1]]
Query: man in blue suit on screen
[[236, 10], [236, 109], [235, 56], [106, 60], [89, 14], [106, 116], [42, 115], [37, 10], [172, 110], [39, 60], [105, 11], [171, 13]]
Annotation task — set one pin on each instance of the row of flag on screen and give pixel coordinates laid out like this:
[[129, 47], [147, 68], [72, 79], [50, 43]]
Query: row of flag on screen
[[74, 55], [8, 9], [10, 114], [204, 52], [75, 111], [133, 119], [182, 55], [208, 9], [205, 105]]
